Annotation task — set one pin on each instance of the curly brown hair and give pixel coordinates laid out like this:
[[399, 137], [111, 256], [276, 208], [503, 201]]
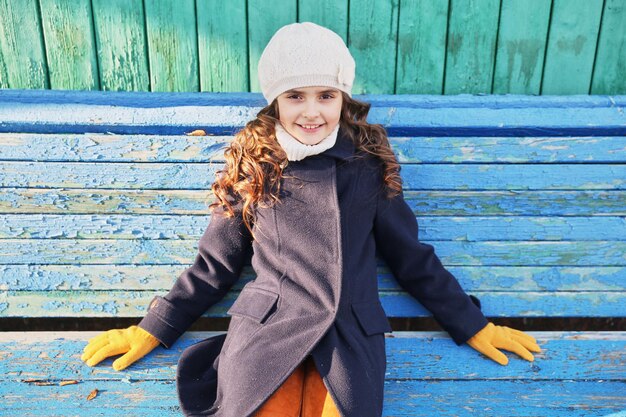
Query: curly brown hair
[[255, 161]]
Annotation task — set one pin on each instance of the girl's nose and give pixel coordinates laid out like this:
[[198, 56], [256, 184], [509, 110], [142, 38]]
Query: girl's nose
[[310, 111]]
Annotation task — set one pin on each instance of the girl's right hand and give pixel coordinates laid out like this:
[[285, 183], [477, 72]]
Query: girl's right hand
[[134, 342]]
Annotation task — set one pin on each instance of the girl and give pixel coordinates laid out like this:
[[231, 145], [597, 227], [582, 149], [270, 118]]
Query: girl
[[310, 191]]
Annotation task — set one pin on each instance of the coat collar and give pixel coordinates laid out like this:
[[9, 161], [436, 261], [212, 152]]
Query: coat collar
[[343, 147]]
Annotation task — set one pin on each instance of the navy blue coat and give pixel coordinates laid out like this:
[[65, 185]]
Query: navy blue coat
[[316, 291]]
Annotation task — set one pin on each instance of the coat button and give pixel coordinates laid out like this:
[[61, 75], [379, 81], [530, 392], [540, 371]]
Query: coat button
[[154, 304]]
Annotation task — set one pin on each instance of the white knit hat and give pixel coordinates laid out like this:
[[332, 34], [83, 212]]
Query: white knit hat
[[305, 55]]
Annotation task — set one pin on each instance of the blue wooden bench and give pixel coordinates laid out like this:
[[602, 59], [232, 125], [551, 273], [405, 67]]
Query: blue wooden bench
[[104, 196]]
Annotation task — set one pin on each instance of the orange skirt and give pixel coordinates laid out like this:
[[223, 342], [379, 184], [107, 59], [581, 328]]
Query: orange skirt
[[303, 394]]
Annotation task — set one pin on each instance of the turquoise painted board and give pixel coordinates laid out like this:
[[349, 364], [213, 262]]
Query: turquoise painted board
[[22, 54], [372, 35], [408, 47], [268, 18], [422, 31], [522, 37], [328, 13], [172, 45], [70, 44], [471, 47], [609, 72], [122, 45], [222, 45], [571, 47]]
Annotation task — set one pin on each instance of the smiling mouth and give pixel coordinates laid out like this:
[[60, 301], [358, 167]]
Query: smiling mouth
[[310, 127]]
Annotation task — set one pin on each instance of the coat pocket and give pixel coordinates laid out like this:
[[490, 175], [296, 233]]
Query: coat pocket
[[249, 312], [254, 303], [371, 317]]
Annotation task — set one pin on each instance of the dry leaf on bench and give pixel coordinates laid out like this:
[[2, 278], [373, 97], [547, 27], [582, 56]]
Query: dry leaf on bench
[[198, 132], [63, 383], [92, 395]]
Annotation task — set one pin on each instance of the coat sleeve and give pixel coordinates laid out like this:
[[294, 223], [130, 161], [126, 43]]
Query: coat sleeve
[[222, 251], [420, 272]]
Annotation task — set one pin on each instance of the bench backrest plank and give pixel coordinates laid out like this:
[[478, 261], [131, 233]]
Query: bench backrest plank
[[103, 197]]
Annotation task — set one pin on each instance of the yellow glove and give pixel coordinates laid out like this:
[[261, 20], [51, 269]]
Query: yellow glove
[[134, 342], [491, 337]]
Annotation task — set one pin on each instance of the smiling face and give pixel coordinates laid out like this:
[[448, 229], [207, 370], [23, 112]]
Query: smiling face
[[310, 114]]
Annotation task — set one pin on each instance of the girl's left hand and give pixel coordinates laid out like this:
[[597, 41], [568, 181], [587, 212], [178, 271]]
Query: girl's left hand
[[492, 337]]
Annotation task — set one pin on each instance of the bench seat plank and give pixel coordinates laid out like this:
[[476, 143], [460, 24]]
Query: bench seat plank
[[402, 399], [443, 379]]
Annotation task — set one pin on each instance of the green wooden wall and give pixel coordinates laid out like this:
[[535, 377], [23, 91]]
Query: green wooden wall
[[400, 46]]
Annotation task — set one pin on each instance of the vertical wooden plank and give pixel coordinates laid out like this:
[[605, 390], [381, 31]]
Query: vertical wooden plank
[[22, 59], [332, 14], [421, 46], [571, 46], [609, 75], [121, 41], [172, 45], [373, 31], [222, 45], [265, 19], [470, 51], [70, 48], [522, 41]]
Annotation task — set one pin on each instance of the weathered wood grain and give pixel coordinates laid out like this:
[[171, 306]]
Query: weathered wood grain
[[124, 303], [172, 45], [70, 44], [148, 226], [221, 114], [22, 53], [610, 63], [331, 14], [197, 176], [177, 148], [402, 399], [427, 374], [452, 253], [268, 17], [470, 40], [423, 203], [120, 32], [471, 46], [420, 66], [222, 45], [572, 42], [522, 39], [372, 37], [49, 277]]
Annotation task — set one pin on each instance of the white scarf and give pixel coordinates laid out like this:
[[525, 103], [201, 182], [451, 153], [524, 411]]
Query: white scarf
[[297, 150]]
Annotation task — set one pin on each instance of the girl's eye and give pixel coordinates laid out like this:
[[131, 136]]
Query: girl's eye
[[324, 96]]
